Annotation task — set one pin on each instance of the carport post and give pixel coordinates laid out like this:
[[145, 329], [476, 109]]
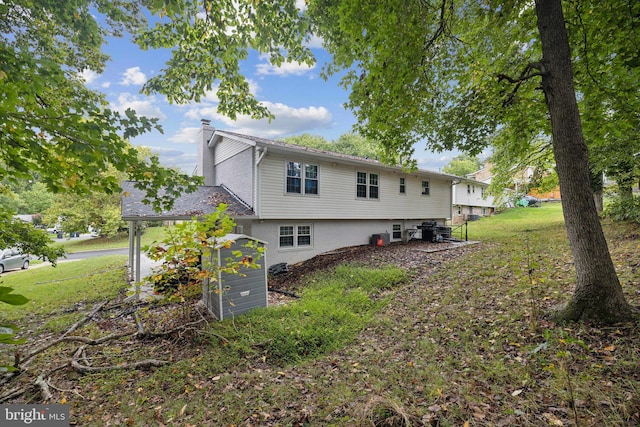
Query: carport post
[[138, 243], [131, 249]]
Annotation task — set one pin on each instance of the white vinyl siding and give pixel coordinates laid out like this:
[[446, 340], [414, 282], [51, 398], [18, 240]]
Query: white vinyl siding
[[237, 174], [464, 195], [337, 183], [227, 148]]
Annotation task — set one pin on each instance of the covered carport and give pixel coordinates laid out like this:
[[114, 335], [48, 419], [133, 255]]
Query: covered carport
[[203, 201]]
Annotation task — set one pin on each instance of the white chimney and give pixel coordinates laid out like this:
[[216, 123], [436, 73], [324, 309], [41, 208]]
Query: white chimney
[[205, 165]]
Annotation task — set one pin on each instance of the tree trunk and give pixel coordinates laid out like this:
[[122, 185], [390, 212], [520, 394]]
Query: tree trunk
[[598, 295], [597, 185], [598, 199]]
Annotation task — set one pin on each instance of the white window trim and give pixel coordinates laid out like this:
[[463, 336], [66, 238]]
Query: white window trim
[[393, 230], [295, 237], [402, 185], [368, 185], [422, 187], [303, 178]]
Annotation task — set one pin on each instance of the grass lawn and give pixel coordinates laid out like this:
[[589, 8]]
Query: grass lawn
[[465, 343], [120, 241]]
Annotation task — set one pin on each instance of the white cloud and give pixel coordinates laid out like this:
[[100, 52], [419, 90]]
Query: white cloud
[[286, 69], [105, 85], [89, 76], [288, 121], [301, 5], [185, 135], [133, 76], [171, 157], [142, 106], [315, 42]]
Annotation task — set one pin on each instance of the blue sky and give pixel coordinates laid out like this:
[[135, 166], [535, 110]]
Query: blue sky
[[301, 101]]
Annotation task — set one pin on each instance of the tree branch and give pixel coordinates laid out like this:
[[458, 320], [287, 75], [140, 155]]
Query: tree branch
[[142, 364], [85, 319], [44, 388], [525, 75]]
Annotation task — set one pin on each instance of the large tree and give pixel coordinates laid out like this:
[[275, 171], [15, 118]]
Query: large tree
[[462, 165], [453, 74], [349, 143], [606, 69], [51, 125]]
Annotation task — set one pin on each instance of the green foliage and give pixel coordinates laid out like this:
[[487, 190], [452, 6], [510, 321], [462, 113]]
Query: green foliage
[[8, 331], [36, 199], [45, 46], [334, 307], [350, 143], [623, 209], [23, 235], [462, 165], [95, 209], [182, 249], [51, 126], [209, 40]]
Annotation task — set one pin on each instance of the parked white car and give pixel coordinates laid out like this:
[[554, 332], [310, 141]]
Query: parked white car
[[12, 258]]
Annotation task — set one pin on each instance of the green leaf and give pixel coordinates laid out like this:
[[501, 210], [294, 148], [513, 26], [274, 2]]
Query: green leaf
[[12, 299]]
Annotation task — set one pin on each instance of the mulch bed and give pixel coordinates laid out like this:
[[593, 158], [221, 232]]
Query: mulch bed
[[413, 255]]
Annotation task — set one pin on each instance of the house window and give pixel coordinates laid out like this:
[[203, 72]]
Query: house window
[[459, 210], [297, 182], [294, 179], [304, 235], [473, 188], [397, 231], [468, 189], [361, 186], [311, 179], [425, 188], [367, 187], [286, 236], [482, 191], [292, 236], [373, 186], [484, 211], [403, 187]]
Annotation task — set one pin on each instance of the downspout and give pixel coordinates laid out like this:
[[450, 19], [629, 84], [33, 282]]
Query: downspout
[[261, 152], [454, 182]]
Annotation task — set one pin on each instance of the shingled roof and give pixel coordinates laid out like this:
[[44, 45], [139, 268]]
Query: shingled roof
[[201, 202]]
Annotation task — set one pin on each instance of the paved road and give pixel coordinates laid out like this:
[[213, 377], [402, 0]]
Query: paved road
[[145, 263], [93, 254]]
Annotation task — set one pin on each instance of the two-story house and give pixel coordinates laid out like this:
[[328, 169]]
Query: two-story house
[[471, 200], [307, 201]]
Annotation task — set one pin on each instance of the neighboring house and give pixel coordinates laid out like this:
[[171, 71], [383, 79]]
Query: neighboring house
[[24, 218], [471, 200], [470, 197], [307, 201]]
